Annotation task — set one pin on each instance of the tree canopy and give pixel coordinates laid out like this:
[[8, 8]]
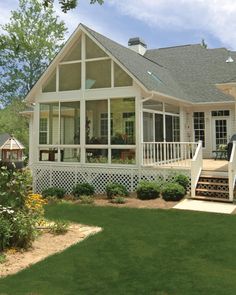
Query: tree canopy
[[67, 5], [28, 43]]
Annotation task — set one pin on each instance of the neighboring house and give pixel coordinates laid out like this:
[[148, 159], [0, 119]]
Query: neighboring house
[[104, 112], [11, 151]]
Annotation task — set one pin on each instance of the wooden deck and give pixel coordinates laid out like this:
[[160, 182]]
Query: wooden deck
[[208, 165]]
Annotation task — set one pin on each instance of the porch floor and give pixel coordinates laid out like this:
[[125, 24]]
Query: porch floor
[[208, 165]]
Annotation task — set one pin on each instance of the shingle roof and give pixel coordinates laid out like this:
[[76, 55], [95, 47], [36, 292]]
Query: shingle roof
[[9, 142], [187, 72]]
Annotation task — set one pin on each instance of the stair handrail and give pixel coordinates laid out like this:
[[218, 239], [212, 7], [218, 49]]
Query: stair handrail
[[232, 171], [196, 168]]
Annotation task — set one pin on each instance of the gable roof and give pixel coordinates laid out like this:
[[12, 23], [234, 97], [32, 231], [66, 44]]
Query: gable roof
[[8, 142], [187, 72]]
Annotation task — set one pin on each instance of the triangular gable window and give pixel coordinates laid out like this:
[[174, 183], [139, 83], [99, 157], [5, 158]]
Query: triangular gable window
[[121, 78], [50, 84], [74, 53], [92, 50]]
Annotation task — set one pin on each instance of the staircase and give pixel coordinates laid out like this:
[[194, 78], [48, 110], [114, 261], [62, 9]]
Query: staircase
[[213, 186]]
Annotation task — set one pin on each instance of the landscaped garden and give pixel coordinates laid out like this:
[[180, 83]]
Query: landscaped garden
[[137, 252]]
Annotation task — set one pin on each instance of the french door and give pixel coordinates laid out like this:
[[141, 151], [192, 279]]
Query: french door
[[220, 132]]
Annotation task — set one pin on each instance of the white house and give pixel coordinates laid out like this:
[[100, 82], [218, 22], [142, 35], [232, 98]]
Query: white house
[[104, 112]]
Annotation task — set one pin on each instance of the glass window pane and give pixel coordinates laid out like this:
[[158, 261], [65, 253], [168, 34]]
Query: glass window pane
[[74, 53], [199, 127], [70, 155], [98, 74], [50, 84], [121, 156], [121, 77], [70, 122], [70, 77], [96, 123], [97, 156], [93, 50], [49, 123], [123, 121]]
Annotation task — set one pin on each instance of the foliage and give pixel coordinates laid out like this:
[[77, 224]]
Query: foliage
[[182, 180], [54, 192], [172, 192], [5, 232], [3, 258], [23, 230], [12, 122], [86, 200], [14, 187], [67, 5], [81, 189], [116, 189], [59, 227], [34, 203], [28, 43], [148, 190], [118, 200]]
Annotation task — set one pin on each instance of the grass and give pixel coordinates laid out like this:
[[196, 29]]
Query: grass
[[140, 251]]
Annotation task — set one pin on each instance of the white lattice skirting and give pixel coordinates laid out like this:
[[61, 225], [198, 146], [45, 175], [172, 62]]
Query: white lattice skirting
[[67, 176]]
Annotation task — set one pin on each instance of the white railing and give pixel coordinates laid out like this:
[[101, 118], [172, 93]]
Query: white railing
[[196, 168], [232, 171], [168, 154]]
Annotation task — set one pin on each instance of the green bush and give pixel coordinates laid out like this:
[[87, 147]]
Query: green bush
[[116, 189], [182, 180], [86, 200], [172, 192], [147, 190], [14, 187], [23, 230], [59, 227], [83, 189], [5, 233], [54, 192]]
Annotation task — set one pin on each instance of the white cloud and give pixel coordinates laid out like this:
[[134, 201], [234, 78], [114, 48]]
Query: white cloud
[[215, 17]]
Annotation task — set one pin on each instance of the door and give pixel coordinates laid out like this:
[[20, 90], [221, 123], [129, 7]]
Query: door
[[220, 132]]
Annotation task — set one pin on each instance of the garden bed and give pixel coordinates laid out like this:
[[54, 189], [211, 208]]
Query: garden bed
[[45, 245]]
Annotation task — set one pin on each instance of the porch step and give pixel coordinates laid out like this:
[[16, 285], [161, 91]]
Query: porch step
[[212, 187], [211, 199]]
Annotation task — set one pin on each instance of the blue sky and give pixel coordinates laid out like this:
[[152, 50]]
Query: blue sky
[[161, 23]]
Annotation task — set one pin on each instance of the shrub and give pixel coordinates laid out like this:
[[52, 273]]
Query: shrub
[[118, 200], [83, 189], [86, 200], [148, 190], [173, 192], [5, 233], [3, 258], [54, 192], [23, 230], [116, 189], [182, 180], [59, 227], [14, 186]]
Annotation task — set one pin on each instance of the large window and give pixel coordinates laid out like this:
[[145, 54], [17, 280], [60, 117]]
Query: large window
[[98, 74], [123, 111], [48, 123], [70, 77], [96, 130], [97, 67], [70, 122], [199, 127]]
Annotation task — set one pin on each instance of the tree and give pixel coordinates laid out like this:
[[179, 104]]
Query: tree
[[12, 122], [68, 4], [28, 43]]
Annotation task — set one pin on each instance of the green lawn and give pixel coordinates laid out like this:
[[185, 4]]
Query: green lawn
[[140, 251]]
